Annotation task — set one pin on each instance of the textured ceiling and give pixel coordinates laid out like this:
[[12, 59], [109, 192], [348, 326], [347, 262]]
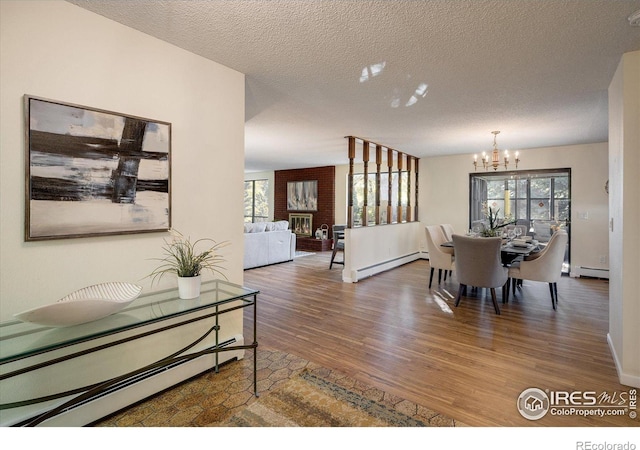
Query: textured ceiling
[[424, 77]]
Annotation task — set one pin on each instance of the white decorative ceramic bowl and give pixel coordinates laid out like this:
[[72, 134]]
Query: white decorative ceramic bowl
[[84, 305]]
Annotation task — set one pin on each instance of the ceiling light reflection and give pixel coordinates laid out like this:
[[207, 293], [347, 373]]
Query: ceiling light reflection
[[442, 303], [372, 71], [421, 92]]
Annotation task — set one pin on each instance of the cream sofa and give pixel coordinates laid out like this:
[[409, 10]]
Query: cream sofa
[[268, 243]]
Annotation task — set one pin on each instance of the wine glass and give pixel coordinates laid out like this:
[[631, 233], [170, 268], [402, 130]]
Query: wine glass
[[476, 230], [511, 234], [518, 231]]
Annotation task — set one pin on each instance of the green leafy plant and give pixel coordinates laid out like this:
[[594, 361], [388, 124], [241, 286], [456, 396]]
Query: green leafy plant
[[182, 258], [494, 223]]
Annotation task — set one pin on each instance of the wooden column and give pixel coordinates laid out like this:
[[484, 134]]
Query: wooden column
[[400, 159], [365, 200], [416, 189], [389, 186], [352, 155], [378, 176], [409, 158]]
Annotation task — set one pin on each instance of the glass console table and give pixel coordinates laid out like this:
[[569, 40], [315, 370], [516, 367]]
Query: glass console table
[[26, 348]]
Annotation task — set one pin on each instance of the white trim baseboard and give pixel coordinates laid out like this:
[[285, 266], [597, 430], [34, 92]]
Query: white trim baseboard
[[366, 272], [594, 272], [626, 379]]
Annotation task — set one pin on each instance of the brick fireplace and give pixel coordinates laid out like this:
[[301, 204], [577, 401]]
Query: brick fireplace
[[325, 213]]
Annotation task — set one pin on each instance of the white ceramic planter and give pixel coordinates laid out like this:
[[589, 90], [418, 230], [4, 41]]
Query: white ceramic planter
[[189, 287]]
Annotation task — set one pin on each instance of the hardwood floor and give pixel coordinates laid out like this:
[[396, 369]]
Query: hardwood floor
[[468, 363]]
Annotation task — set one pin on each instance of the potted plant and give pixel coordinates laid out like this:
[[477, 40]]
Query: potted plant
[[182, 258]]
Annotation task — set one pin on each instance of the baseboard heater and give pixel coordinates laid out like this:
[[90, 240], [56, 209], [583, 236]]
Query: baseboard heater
[[142, 386], [383, 266], [593, 272]]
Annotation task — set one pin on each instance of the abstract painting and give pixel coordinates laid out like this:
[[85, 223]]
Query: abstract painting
[[92, 172], [302, 195]]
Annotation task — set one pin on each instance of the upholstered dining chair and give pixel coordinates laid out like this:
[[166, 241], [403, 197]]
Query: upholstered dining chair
[[448, 231], [542, 230], [338, 244], [439, 257], [547, 267], [479, 264], [537, 255]]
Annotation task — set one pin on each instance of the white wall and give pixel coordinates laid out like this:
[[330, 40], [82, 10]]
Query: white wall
[[624, 201], [371, 250], [342, 176], [56, 50], [444, 194]]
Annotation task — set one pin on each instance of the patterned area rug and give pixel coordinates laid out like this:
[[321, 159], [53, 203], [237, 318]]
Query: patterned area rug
[[317, 399]]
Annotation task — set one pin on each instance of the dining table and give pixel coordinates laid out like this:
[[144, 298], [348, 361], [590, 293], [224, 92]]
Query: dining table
[[511, 250]]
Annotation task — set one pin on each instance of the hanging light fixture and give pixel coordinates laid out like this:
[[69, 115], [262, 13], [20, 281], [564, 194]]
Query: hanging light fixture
[[493, 160]]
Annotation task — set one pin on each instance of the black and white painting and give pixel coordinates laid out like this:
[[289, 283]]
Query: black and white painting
[[302, 195], [93, 172]]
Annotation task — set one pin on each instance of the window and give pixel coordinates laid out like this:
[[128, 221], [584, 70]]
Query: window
[[256, 200], [530, 197]]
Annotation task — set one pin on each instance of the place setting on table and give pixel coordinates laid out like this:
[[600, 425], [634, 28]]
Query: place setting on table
[[514, 244]]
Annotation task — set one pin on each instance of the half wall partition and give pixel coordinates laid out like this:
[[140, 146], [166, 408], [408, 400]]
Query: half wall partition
[[382, 209]]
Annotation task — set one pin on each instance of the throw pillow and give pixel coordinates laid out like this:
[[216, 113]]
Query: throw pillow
[[281, 225], [257, 227]]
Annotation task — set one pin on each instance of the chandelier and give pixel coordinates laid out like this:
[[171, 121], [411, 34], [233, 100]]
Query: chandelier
[[494, 160]]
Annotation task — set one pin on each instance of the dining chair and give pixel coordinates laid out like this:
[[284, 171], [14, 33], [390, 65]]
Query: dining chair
[[479, 264], [547, 267], [542, 230], [448, 231], [543, 247], [440, 258], [338, 244]]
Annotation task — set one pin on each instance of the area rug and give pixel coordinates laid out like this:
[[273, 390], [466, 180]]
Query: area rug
[[313, 400]]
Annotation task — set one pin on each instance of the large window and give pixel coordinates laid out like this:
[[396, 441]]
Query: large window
[[525, 196], [256, 200], [539, 199]]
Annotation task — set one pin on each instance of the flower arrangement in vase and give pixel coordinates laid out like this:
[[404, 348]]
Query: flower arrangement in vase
[[182, 258], [494, 223]]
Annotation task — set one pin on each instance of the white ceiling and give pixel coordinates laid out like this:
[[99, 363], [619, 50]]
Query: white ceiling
[[536, 70]]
